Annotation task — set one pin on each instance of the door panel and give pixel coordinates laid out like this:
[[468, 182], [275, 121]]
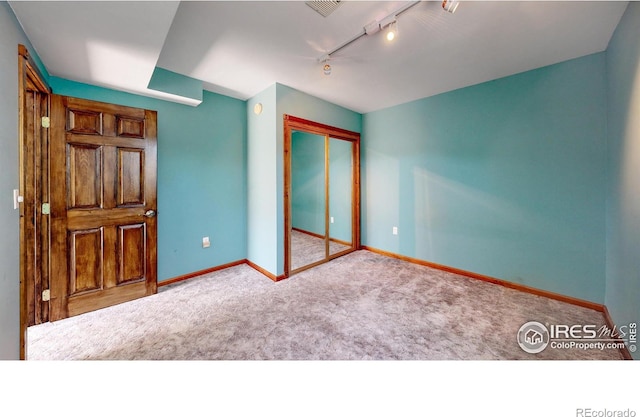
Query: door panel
[[131, 260], [308, 199], [85, 260], [85, 181], [340, 195], [130, 177], [130, 127], [103, 180], [84, 122]]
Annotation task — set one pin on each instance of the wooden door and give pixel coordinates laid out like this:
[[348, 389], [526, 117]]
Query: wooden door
[[33, 137], [35, 229], [103, 203]]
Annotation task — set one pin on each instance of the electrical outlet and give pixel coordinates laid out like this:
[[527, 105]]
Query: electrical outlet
[[205, 242], [395, 230]]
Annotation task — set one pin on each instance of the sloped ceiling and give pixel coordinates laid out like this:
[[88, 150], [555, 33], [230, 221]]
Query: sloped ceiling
[[239, 48]]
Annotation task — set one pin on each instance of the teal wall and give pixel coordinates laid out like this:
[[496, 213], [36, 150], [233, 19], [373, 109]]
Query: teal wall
[[262, 181], [623, 193], [201, 176], [505, 178], [174, 83], [307, 182], [10, 36]]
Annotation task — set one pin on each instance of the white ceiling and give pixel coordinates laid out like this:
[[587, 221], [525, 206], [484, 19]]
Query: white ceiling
[[239, 48]]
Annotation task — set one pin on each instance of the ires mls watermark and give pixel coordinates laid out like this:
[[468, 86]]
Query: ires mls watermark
[[534, 337]]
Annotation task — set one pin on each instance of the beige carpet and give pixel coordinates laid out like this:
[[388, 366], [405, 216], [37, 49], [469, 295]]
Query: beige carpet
[[362, 306]]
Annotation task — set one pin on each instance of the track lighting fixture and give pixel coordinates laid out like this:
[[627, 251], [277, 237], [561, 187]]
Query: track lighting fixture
[[392, 32], [391, 26], [389, 23], [450, 5], [372, 28], [326, 67]]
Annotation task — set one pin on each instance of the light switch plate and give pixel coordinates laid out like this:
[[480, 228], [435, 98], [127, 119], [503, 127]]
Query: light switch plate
[[205, 242]]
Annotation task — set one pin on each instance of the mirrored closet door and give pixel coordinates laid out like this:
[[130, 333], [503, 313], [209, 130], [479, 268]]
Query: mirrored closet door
[[322, 198]]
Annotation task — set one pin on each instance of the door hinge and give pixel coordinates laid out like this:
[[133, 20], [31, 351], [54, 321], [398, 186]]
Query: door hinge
[[46, 208], [46, 122], [46, 295]]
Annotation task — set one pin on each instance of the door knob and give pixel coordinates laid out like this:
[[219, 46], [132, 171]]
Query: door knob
[[150, 213]]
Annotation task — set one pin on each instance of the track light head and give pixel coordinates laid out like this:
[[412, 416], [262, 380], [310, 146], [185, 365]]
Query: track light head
[[391, 26], [450, 5], [392, 32]]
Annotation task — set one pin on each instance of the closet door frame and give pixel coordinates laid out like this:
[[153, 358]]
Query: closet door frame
[[293, 123]]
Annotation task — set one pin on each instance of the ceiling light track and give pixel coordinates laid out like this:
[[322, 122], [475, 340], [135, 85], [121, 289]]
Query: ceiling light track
[[370, 29]]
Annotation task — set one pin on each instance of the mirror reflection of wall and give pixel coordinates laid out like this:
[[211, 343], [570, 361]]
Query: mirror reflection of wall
[[308, 199], [340, 195]]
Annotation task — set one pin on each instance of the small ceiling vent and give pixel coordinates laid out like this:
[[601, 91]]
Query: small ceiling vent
[[324, 7]]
